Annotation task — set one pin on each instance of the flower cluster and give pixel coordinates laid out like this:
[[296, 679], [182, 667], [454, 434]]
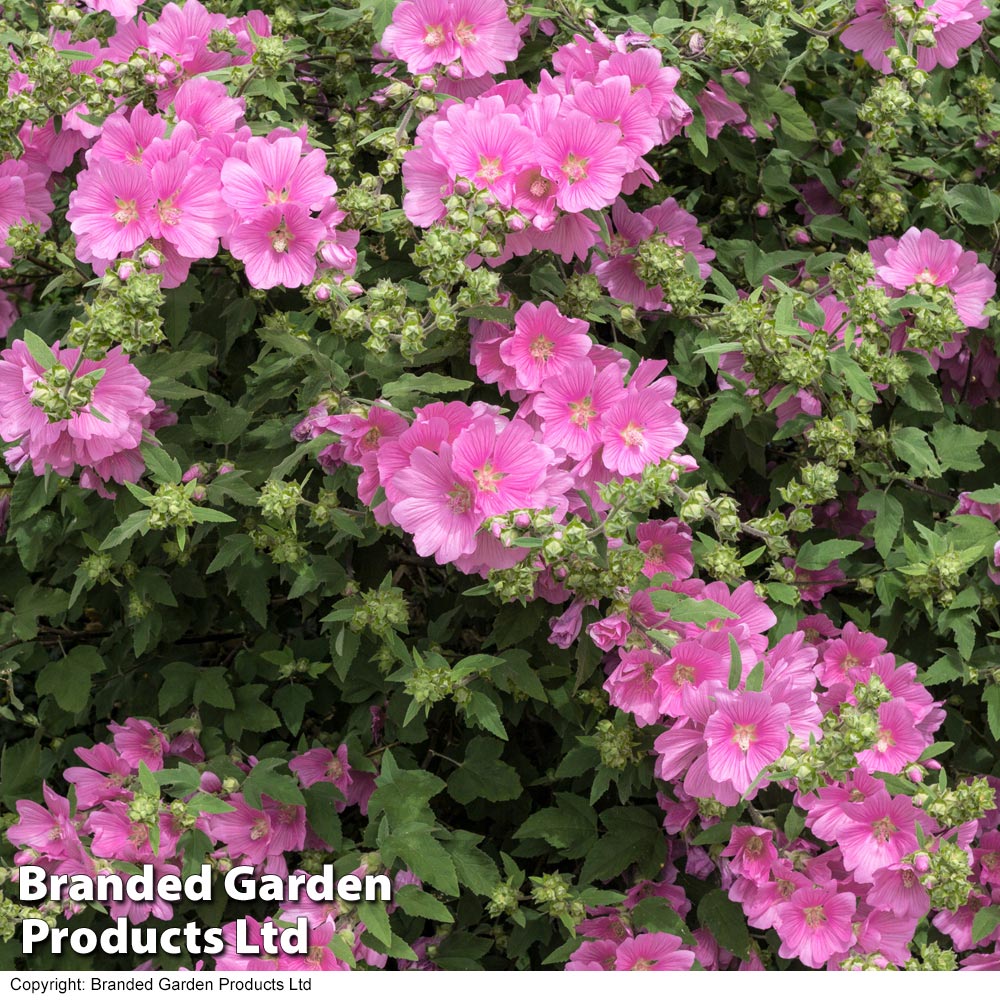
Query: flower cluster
[[72, 413], [934, 32], [548, 157], [122, 816], [578, 425]]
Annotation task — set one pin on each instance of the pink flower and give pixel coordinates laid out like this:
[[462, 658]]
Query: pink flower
[[746, 733], [84, 438], [898, 890], [276, 174], [898, 742], [609, 632], [437, 506], [47, 829], [110, 211], [667, 547], [632, 685], [878, 832], [659, 952], [139, 742], [690, 663], [753, 852], [207, 107], [485, 36], [544, 344], [641, 430], [586, 161], [814, 924], [187, 212], [921, 257], [489, 150], [668, 224], [955, 23], [421, 34], [572, 404], [278, 246], [505, 465]]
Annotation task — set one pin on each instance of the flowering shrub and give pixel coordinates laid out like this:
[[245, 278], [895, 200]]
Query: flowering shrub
[[542, 454]]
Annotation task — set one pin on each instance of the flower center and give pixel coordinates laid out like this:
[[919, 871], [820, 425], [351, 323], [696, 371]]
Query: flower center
[[168, 212], [851, 661], [371, 437], [744, 735], [883, 829], [335, 769], [815, 917], [582, 412], [540, 187], [434, 35], [754, 846], [643, 965], [631, 434], [487, 478], [260, 828], [281, 239], [541, 348], [490, 170], [884, 741], [459, 499], [908, 878], [465, 34], [316, 954], [990, 861], [683, 673], [575, 167], [127, 211]]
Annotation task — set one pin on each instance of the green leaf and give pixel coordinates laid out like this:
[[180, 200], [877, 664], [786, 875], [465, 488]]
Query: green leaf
[[291, 701], [263, 780], [417, 903], [430, 384], [39, 350], [483, 775], [975, 203], [570, 826], [794, 121], [910, 444], [735, 663], [634, 836], [69, 680], [755, 679], [934, 750], [656, 914], [985, 923], [147, 782], [888, 519], [321, 812], [164, 468], [724, 408], [992, 698], [724, 918], [376, 920], [958, 447], [813, 556]]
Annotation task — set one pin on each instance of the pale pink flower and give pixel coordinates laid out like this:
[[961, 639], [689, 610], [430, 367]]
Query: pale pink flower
[[278, 246], [815, 924], [657, 952], [544, 344], [586, 161], [746, 733], [421, 34], [111, 210], [921, 257], [632, 686], [572, 404]]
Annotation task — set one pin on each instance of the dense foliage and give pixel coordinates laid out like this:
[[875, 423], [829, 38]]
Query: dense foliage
[[544, 453]]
